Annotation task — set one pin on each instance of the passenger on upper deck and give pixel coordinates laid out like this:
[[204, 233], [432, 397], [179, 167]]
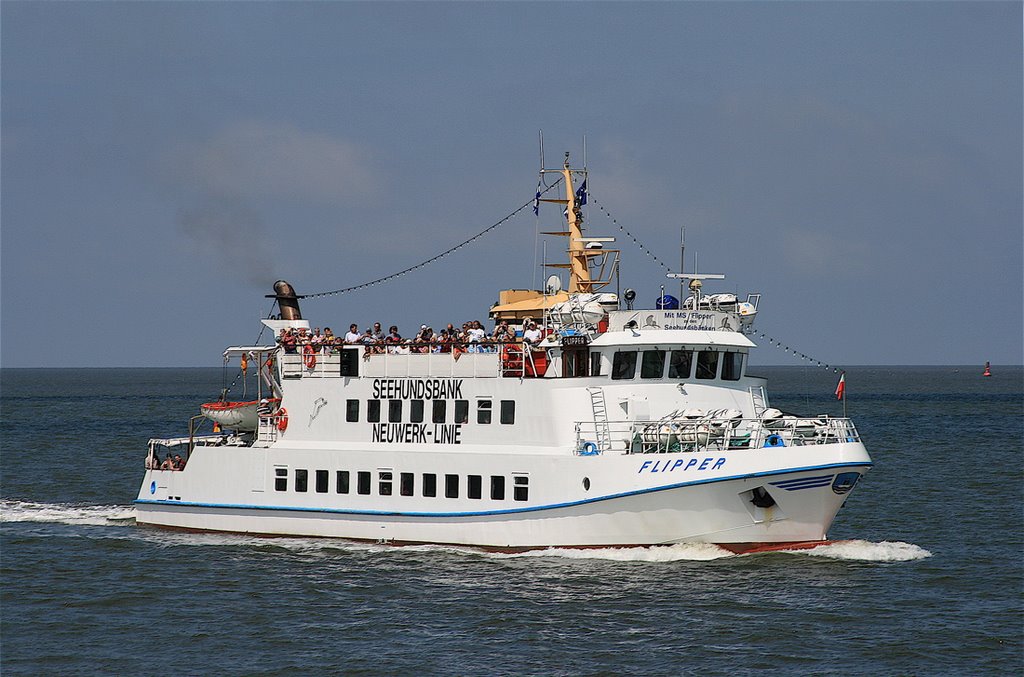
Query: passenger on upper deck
[[329, 340], [476, 335], [531, 334], [353, 335], [288, 340], [378, 334], [502, 334]]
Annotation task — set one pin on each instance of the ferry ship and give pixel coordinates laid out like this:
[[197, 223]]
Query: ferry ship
[[595, 425]]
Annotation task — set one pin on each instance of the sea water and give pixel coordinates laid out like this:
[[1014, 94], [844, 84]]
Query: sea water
[[927, 578]]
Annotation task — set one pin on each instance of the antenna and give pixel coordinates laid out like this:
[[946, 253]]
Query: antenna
[[540, 134], [682, 258]]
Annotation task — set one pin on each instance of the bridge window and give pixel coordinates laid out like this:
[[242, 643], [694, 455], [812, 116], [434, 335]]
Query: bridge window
[[595, 363], [653, 364], [624, 365], [394, 411], [352, 411], [301, 480], [342, 482], [483, 411], [373, 411], [707, 364], [416, 411], [732, 366], [429, 484], [322, 480], [680, 364]]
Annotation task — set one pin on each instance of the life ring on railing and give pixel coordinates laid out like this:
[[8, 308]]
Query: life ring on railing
[[282, 419], [774, 441], [309, 356], [589, 449]]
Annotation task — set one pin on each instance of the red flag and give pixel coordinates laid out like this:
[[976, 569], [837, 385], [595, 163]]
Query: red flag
[[841, 388]]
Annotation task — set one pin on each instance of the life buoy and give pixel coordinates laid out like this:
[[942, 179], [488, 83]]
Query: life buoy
[[589, 449], [282, 419], [774, 441], [309, 356]]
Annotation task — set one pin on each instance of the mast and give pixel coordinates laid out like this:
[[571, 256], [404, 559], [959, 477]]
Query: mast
[[580, 280], [579, 271]]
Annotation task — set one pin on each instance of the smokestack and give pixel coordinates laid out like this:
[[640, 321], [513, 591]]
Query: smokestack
[[287, 301]]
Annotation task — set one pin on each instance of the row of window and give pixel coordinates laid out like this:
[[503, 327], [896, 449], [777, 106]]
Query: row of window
[[438, 411], [680, 364], [406, 483]]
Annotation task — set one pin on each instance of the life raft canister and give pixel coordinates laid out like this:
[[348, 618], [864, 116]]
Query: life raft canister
[[282, 419], [309, 356]]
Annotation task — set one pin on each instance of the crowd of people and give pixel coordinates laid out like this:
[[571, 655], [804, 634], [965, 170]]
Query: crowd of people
[[175, 462], [470, 338]]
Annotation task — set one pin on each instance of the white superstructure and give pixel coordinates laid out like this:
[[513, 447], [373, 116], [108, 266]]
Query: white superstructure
[[621, 427]]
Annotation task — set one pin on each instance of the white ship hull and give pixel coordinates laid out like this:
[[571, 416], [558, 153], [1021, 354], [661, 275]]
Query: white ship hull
[[641, 499]]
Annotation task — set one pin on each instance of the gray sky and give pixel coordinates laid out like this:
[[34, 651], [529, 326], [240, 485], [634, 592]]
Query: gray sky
[[163, 163]]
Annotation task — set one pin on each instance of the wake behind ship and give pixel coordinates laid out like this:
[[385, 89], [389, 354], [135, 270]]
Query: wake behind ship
[[575, 422]]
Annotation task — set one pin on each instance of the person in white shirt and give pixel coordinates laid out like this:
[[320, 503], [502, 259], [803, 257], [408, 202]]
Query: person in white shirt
[[353, 335], [531, 334]]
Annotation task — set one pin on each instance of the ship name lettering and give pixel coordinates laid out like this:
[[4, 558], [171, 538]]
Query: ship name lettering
[[447, 433], [417, 389], [670, 465], [400, 433]]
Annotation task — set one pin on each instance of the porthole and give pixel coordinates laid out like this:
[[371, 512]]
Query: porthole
[[586, 484]]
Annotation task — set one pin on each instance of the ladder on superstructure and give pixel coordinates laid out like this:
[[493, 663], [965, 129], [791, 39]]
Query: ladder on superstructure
[[760, 400], [600, 409]]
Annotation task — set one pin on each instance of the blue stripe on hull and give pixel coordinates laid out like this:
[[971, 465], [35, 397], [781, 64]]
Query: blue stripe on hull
[[485, 513]]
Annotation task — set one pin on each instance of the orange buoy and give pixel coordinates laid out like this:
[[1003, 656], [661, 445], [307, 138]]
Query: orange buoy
[[282, 419], [309, 356]]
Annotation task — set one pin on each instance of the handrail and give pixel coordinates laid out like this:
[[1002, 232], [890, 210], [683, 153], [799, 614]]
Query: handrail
[[679, 434], [496, 358]]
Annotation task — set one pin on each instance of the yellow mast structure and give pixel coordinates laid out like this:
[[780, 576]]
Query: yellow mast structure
[[579, 269], [516, 304]]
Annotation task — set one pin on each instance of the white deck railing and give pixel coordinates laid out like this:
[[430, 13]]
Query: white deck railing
[[664, 436], [468, 364]]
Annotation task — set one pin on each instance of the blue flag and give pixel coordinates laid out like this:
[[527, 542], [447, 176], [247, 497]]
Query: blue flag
[[581, 194], [536, 201]]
